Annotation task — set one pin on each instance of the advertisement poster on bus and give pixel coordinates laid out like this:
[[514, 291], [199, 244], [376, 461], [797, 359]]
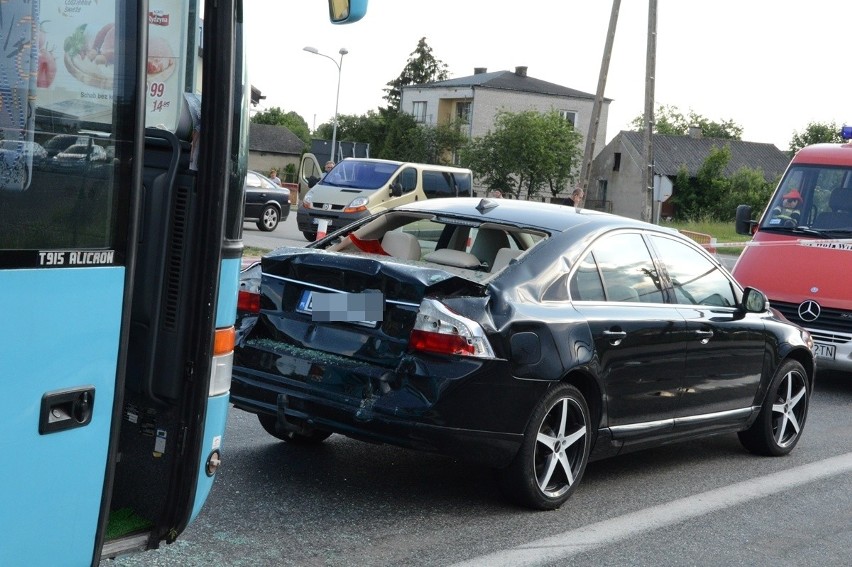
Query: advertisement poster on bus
[[17, 63], [77, 57]]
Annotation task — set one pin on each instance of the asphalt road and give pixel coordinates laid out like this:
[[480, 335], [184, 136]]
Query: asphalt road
[[347, 503]]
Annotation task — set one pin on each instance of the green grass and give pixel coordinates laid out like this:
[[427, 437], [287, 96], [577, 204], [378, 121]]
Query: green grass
[[254, 251], [721, 231]]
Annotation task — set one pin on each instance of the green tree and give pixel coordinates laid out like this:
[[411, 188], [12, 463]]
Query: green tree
[[709, 195], [526, 152], [404, 141], [370, 128], [670, 121], [422, 67], [291, 120], [815, 133]]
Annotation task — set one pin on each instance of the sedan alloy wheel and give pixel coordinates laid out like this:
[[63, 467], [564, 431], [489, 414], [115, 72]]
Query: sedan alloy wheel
[[554, 453], [268, 219], [782, 417]]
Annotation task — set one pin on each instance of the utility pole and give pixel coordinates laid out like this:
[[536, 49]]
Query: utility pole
[[650, 71], [589, 154]]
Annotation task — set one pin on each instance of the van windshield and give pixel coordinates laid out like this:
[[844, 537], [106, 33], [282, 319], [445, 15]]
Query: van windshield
[[360, 174], [818, 198]]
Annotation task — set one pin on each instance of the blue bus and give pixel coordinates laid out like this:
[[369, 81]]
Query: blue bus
[[121, 199]]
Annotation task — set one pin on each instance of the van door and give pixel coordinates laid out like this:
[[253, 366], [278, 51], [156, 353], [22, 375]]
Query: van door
[[309, 174], [403, 189]]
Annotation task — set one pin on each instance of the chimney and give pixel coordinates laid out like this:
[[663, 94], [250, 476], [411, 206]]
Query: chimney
[[521, 71], [695, 132], [480, 70]]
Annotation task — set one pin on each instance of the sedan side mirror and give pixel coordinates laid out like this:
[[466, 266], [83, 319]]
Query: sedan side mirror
[[754, 300]]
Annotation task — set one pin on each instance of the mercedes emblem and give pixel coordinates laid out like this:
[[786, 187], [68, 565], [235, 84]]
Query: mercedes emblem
[[809, 310]]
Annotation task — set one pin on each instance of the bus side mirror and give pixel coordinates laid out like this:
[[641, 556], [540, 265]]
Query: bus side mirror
[[744, 224]]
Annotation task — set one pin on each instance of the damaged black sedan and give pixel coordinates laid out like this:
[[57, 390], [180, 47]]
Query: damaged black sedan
[[527, 336]]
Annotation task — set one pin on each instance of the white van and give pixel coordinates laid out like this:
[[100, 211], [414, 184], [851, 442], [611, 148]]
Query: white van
[[359, 187]]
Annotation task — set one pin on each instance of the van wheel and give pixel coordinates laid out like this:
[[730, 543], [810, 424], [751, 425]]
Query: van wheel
[[268, 219], [309, 236]]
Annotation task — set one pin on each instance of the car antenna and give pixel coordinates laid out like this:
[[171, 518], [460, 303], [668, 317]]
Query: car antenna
[[486, 205]]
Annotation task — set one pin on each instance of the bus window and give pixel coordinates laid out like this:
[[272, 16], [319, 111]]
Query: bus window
[[120, 277]]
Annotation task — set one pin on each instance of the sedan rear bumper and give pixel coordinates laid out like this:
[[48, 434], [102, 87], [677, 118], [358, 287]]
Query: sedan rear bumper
[[453, 409]]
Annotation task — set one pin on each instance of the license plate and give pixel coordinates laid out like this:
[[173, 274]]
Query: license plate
[[365, 309], [824, 351]]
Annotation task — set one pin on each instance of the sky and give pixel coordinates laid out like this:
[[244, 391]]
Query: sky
[[772, 67]]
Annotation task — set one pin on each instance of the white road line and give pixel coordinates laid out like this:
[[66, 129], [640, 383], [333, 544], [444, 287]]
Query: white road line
[[581, 540]]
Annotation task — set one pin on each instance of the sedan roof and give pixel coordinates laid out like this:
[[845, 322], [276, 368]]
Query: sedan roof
[[546, 216]]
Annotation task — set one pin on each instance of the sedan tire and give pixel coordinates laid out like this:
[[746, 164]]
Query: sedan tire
[[269, 218], [268, 422], [554, 452], [779, 425]]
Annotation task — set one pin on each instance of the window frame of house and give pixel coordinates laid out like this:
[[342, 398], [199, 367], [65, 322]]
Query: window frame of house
[[616, 161], [464, 110], [569, 116], [418, 110]]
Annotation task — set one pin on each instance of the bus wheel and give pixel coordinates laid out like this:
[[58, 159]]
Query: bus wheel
[[268, 219], [314, 437]]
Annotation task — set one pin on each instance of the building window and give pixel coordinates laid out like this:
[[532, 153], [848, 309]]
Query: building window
[[419, 111], [463, 112], [570, 116], [616, 161], [602, 183]]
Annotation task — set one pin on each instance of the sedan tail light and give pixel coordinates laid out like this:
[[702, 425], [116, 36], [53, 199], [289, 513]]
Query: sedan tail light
[[248, 302], [440, 330]]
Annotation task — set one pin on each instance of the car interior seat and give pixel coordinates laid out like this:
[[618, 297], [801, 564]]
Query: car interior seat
[[488, 242], [503, 258], [401, 245], [840, 216]]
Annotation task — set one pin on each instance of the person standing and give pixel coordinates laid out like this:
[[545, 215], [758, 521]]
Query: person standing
[[273, 176], [576, 198]]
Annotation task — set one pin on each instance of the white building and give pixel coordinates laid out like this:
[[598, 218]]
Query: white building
[[476, 99]]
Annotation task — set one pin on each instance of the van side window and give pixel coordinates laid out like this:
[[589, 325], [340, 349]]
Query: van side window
[[438, 184], [464, 183]]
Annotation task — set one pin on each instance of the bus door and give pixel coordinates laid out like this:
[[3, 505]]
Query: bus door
[[120, 245], [67, 136]]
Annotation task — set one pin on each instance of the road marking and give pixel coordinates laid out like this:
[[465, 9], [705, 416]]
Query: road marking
[[607, 532]]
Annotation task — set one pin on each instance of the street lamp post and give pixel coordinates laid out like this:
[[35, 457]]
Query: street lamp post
[[343, 51]]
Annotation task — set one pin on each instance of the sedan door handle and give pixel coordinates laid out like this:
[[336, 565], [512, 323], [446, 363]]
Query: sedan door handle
[[704, 336], [614, 337]]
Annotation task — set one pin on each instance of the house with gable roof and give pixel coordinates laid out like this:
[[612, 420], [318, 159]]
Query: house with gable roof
[[616, 176], [476, 99], [273, 147]]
